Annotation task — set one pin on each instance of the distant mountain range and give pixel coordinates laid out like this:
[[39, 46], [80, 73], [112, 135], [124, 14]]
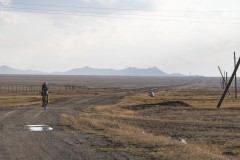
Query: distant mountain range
[[9, 70], [131, 71]]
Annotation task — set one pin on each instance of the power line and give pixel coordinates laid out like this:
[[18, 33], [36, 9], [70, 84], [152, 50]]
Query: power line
[[113, 17], [96, 14], [82, 7], [107, 13], [112, 8]]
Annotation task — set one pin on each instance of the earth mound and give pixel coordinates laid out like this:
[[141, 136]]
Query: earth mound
[[165, 103], [175, 103]]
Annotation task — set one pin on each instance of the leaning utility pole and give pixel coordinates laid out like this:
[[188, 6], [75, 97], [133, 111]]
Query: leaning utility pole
[[224, 81], [229, 83], [226, 78], [223, 78], [235, 75]]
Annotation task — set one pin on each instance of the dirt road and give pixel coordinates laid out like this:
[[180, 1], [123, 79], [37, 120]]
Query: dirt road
[[60, 143]]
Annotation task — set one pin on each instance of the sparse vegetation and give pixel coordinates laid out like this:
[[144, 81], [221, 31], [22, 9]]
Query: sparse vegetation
[[179, 122], [155, 131]]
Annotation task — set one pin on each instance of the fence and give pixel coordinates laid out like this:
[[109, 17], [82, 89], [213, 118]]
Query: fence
[[34, 88]]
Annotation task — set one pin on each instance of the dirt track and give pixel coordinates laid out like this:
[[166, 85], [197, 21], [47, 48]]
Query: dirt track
[[61, 143]]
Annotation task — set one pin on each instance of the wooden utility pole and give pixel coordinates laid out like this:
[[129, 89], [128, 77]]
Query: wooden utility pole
[[229, 83], [226, 78], [235, 75], [223, 78]]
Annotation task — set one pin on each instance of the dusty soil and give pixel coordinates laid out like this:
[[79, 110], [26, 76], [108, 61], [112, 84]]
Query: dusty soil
[[114, 118], [165, 103], [60, 143]]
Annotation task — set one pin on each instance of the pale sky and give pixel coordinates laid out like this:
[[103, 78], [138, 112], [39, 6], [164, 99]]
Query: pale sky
[[177, 36]]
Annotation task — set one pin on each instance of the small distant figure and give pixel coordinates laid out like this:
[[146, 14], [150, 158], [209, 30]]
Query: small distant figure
[[44, 94], [151, 94]]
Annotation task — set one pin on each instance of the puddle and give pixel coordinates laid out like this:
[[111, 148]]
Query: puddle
[[38, 128]]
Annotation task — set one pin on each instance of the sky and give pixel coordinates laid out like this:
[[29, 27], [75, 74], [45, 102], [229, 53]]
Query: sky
[[177, 36]]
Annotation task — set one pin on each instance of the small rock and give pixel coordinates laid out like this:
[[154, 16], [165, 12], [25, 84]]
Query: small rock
[[183, 141], [151, 94], [142, 132], [180, 140]]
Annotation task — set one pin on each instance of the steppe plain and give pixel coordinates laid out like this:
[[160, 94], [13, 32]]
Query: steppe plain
[[98, 117]]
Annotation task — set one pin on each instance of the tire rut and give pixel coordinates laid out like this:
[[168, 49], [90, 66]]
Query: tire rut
[[61, 143]]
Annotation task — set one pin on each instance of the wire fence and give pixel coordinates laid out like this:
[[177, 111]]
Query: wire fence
[[37, 89]]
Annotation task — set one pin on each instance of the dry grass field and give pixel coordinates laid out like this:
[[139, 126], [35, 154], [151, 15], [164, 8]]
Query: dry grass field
[[180, 122]]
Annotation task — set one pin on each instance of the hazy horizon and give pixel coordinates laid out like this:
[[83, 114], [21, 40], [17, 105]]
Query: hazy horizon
[[187, 37], [129, 71]]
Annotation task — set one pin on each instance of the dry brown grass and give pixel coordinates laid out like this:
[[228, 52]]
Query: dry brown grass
[[19, 100], [24, 99], [199, 98], [151, 132], [107, 121]]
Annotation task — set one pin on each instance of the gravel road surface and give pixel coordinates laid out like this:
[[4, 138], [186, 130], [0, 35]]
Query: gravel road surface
[[17, 142]]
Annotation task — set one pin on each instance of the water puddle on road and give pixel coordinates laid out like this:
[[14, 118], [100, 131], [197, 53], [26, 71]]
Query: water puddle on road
[[38, 128]]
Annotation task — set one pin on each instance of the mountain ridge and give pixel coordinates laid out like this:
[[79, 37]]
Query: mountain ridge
[[130, 71]]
